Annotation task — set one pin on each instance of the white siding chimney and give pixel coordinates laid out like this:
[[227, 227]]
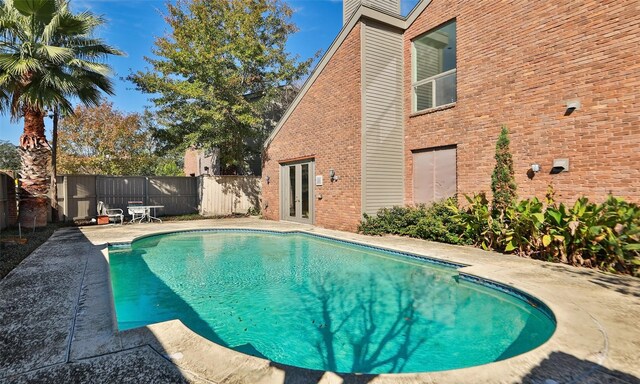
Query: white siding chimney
[[349, 7]]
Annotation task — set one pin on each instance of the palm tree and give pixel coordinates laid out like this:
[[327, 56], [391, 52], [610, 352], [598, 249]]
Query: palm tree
[[48, 57]]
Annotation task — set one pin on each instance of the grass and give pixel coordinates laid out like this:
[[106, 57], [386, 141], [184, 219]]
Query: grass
[[12, 253]]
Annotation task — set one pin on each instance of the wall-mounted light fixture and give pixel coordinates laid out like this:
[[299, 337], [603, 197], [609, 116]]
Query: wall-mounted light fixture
[[535, 167], [268, 179], [560, 165], [572, 105], [332, 175]]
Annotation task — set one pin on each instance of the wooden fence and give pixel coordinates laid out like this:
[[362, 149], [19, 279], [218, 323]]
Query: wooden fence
[[224, 195], [78, 195]]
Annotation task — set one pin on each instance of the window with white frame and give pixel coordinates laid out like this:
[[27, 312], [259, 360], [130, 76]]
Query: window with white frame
[[433, 69]]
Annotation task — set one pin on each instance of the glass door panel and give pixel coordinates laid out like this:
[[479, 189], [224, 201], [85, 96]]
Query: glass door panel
[[305, 198], [292, 191], [297, 192]]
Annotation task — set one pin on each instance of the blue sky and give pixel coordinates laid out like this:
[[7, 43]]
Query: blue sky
[[133, 26]]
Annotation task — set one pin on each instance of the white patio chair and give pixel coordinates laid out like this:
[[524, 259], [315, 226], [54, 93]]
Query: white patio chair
[[112, 213]]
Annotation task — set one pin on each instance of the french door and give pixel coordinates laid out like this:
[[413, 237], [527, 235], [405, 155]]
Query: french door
[[297, 192]]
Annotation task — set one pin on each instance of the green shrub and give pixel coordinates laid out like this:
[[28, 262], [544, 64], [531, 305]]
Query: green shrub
[[396, 221], [606, 236], [616, 237], [429, 222], [477, 225], [503, 183], [439, 224], [523, 223]]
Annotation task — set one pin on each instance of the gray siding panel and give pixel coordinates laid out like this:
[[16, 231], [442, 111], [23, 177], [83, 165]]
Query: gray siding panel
[[383, 133], [349, 7]]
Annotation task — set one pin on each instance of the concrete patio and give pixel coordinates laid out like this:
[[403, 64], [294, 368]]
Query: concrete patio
[[57, 323]]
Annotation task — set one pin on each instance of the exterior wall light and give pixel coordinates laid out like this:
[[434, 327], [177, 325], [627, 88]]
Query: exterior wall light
[[332, 175], [560, 165], [268, 179], [535, 167], [572, 105]]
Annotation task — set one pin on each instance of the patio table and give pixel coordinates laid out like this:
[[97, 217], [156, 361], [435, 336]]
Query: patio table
[[146, 211]]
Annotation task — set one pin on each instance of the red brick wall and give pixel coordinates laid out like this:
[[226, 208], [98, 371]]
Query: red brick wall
[[325, 125], [12, 211], [517, 64], [191, 162]]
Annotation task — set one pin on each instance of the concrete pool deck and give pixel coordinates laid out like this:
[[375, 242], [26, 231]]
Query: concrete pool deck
[[57, 323]]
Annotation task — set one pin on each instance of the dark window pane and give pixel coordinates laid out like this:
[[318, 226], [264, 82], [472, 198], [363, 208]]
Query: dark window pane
[[292, 190], [305, 191], [445, 89]]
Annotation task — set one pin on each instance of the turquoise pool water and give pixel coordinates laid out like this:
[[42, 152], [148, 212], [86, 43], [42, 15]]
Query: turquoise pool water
[[312, 302]]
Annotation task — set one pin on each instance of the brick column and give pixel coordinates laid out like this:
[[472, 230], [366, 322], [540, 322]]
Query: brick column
[[12, 214]]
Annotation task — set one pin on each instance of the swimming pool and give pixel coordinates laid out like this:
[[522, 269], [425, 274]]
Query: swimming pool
[[313, 302]]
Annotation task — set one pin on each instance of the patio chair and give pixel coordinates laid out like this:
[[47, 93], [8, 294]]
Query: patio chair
[[112, 213], [137, 211]]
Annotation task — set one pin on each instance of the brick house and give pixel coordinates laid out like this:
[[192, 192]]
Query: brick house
[[198, 161], [404, 110]]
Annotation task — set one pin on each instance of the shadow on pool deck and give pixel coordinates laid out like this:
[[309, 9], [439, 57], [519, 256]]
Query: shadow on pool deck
[[57, 322], [626, 285], [567, 369]]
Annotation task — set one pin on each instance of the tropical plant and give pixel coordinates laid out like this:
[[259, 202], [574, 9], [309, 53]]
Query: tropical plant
[[218, 75], [522, 227], [47, 58], [620, 236], [503, 185], [605, 236], [478, 226]]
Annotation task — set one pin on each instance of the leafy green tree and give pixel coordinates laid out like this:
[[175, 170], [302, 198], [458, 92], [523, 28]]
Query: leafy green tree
[[103, 140], [503, 184], [9, 158], [47, 58], [168, 167], [218, 73]]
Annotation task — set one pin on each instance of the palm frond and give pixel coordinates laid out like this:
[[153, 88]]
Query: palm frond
[[99, 68], [97, 50], [57, 55], [48, 57], [19, 66], [93, 79]]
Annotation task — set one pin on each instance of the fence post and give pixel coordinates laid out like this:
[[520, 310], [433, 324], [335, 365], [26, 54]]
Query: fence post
[[65, 182], [146, 191], [97, 190]]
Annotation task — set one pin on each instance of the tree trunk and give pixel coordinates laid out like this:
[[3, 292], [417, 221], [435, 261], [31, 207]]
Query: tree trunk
[[35, 153], [54, 171]]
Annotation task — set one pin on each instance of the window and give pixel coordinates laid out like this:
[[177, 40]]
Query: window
[[434, 174], [434, 68]]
